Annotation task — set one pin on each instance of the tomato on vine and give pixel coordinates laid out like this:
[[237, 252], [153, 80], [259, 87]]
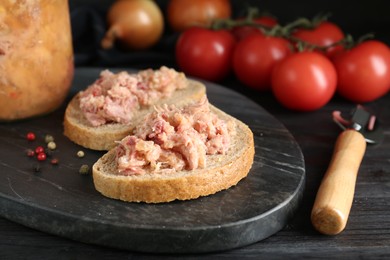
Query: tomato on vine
[[318, 32], [363, 71], [254, 58], [241, 32], [304, 81], [205, 53]]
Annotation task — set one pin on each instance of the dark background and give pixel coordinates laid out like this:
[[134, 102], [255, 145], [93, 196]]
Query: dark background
[[88, 25], [367, 235]]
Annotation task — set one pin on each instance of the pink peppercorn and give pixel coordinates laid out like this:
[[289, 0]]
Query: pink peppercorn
[[30, 136], [41, 156], [30, 153], [39, 149], [54, 161]]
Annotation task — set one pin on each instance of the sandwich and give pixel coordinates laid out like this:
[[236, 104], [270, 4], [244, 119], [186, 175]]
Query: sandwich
[[109, 109], [176, 153]]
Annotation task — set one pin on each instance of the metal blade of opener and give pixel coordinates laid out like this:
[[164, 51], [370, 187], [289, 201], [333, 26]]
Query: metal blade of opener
[[364, 122]]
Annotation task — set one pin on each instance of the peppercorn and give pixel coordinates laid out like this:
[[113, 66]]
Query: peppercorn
[[30, 153], [48, 152], [36, 167], [54, 161], [84, 169], [80, 154], [39, 149], [51, 145], [41, 156], [49, 138], [30, 136]]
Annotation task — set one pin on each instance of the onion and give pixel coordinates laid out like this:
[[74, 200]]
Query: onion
[[137, 24]]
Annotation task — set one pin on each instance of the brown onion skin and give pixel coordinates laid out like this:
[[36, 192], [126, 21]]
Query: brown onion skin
[[182, 14], [136, 24]]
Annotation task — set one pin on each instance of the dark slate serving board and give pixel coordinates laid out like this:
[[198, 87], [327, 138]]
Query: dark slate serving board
[[59, 200]]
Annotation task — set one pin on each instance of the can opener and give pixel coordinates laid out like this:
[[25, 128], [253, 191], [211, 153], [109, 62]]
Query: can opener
[[335, 195]]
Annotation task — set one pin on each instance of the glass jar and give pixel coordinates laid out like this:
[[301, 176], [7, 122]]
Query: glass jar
[[36, 57]]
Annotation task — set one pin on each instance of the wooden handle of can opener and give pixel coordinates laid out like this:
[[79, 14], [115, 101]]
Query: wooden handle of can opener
[[335, 195]]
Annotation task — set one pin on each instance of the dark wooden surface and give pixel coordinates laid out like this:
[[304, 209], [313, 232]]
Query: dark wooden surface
[[367, 234]]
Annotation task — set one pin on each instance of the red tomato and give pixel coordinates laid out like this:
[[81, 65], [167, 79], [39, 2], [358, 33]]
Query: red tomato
[[254, 58], [364, 71], [266, 20], [205, 53], [182, 14], [325, 34], [304, 81], [241, 32]]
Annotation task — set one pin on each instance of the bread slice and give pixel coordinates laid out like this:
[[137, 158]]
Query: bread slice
[[78, 129], [221, 172]]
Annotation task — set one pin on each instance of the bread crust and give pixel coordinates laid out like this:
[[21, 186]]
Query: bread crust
[[222, 172], [102, 138]]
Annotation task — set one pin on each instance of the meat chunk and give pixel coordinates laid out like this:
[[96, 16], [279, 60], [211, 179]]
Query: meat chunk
[[173, 139], [115, 97]]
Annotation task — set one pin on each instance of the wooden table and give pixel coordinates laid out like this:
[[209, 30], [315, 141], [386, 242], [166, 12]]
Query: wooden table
[[367, 234]]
